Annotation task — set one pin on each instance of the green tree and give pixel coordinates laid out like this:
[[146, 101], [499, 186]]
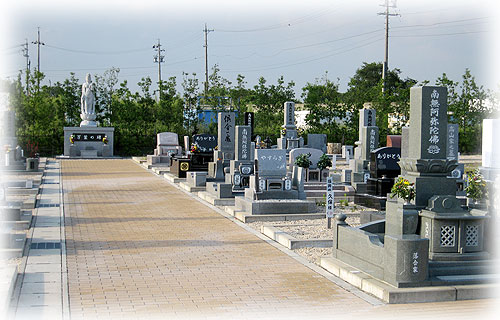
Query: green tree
[[268, 103], [191, 87], [105, 86], [366, 86], [467, 106], [327, 111]]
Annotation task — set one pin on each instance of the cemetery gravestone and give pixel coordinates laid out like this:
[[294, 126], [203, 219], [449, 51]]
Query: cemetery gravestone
[[249, 121], [428, 126], [270, 190], [272, 163], [205, 142], [452, 143], [243, 143], [368, 141], [167, 143], [289, 138], [384, 168], [433, 227], [317, 141], [241, 168], [225, 133], [225, 144], [186, 144]]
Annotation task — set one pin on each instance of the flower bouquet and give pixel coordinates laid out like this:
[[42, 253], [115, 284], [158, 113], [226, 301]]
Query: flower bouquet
[[476, 186], [403, 189]]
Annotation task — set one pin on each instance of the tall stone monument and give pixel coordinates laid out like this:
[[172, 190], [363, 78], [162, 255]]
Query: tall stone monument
[[368, 141], [423, 242], [225, 145], [289, 138], [88, 140]]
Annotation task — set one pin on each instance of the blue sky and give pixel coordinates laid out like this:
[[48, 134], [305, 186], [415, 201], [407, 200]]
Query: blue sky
[[300, 40]]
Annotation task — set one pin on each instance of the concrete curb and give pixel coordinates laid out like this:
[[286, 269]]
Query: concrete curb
[[393, 295], [248, 218], [7, 285], [64, 269], [291, 242], [187, 187], [215, 201]]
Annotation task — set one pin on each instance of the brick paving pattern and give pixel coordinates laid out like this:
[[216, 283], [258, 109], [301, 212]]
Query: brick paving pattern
[[137, 246]]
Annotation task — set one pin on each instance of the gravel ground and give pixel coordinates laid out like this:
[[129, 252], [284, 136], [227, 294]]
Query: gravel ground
[[314, 229]]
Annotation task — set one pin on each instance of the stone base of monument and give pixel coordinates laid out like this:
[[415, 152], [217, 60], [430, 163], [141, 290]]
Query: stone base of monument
[[14, 167], [12, 243], [370, 216], [249, 218], [274, 206], [88, 142], [157, 161], [394, 295], [161, 170], [10, 213], [214, 200], [317, 191], [370, 201]]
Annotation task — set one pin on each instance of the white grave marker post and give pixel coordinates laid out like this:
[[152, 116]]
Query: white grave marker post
[[329, 201]]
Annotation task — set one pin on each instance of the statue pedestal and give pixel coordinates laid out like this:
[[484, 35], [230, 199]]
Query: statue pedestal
[[89, 140], [88, 120]]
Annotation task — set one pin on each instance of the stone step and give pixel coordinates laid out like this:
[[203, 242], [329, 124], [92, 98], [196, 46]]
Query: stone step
[[15, 225], [467, 279], [471, 267], [445, 289], [440, 264], [462, 270]]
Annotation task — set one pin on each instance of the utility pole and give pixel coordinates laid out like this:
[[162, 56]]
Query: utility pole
[[38, 43], [26, 54], [158, 58], [385, 67], [206, 30]]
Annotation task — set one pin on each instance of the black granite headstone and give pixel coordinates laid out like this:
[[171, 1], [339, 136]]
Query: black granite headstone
[[250, 121], [206, 143], [384, 162]]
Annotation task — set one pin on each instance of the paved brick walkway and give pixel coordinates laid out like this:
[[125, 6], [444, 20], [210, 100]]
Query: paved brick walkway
[[138, 246]]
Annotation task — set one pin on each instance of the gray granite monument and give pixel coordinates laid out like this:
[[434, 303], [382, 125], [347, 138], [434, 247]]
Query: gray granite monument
[[368, 141], [289, 138], [271, 189], [416, 240], [225, 145], [167, 146]]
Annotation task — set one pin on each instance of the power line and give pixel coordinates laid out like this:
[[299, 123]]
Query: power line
[[439, 34], [313, 15], [440, 23], [299, 47], [270, 67], [99, 52]]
